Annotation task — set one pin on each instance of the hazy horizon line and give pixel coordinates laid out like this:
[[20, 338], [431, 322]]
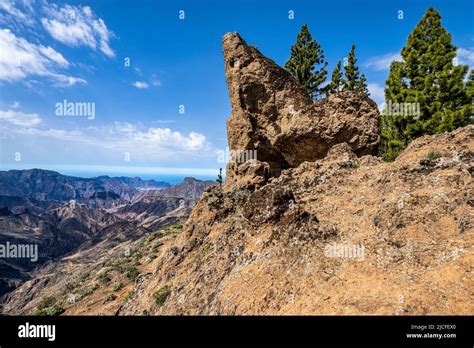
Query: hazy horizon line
[[111, 170]]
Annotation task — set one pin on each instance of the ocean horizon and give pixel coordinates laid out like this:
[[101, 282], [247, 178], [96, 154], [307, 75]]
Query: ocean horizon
[[169, 178]]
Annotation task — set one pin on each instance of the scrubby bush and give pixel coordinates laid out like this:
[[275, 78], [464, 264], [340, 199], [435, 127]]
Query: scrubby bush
[[48, 307], [50, 311], [161, 295], [132, 273], [110, 297], [430, 158]]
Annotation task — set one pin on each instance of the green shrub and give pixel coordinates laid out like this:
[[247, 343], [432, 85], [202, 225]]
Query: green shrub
[[46, 302], [355, 164], [132, 273], [129, 296], [430, 158], [110, 297], [84, 278], [50, 311], [117, 286], [87, 291], [104, 276], [161, 295]]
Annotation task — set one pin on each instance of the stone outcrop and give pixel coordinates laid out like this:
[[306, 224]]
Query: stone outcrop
[[273, 115]]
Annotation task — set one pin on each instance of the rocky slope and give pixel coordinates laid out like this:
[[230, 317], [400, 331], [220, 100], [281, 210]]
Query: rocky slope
[[56, 232], [155, 208]]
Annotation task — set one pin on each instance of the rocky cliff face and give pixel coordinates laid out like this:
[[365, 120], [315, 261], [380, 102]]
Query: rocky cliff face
[[273, 116]]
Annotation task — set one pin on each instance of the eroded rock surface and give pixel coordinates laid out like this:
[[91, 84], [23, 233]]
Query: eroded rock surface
[[273, 115]]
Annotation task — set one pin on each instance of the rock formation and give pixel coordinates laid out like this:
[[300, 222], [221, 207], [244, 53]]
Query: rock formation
[[273, 115]]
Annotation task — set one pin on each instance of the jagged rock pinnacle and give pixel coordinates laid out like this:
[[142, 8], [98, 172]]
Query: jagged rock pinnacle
[[272, 114]]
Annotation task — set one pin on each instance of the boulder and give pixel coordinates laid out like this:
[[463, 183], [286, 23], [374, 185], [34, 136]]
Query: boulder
[[273, 115]]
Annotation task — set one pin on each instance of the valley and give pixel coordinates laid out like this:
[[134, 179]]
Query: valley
[[82, 219]]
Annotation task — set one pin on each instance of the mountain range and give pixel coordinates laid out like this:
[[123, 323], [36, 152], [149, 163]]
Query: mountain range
[[64, 214]]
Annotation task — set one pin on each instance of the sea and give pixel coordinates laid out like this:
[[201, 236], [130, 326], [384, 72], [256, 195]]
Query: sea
[[170, 179]]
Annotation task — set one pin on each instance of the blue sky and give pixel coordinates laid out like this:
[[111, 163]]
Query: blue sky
[[51, 51]]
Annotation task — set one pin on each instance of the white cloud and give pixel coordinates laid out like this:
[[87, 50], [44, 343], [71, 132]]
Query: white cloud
[[54, 56], [18, 11], [143, 84], [19, 118], [165, 138], [140, 85], [154, 81], [77, 26], [149, 140], [20, 59], [465, 56], [15, 105], [124, 127], [379, 63], [376, 93], [119, 136]]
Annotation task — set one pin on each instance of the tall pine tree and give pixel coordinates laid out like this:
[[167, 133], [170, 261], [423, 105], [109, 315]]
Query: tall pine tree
[[362, 85], [470, 89], [337, 81], [427, 76], [306, 56], [354, 81], [392, 138]]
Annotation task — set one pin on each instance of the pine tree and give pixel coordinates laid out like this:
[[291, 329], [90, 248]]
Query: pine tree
[[427, 76], [392, 139], [354, 81], [306, 55], [351, 71], [220, 180], [470, 87], [337, 81], [470, 95], [362, 85]]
